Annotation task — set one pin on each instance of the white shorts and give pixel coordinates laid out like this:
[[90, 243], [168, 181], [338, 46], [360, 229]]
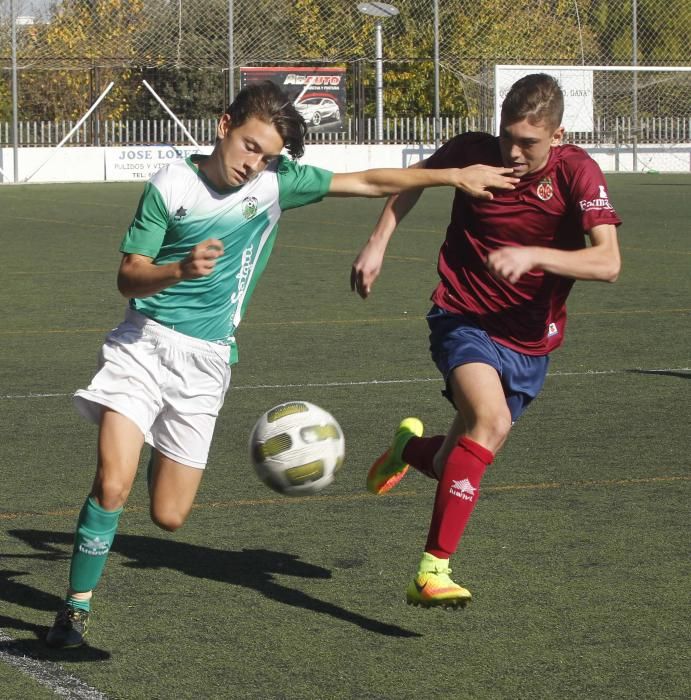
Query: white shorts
[[169, 384]]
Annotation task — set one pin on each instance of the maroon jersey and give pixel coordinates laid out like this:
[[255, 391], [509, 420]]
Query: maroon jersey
[[552, 208]]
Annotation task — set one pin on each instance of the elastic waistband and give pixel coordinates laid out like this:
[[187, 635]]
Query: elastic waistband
[[180, 340]]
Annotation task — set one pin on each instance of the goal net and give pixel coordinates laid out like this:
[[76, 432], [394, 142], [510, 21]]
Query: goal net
[[636, 117]]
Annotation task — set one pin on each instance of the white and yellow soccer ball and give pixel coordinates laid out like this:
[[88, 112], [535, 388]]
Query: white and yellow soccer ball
[[297, 448]]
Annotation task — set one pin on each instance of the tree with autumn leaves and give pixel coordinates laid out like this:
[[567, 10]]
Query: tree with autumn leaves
[[182, 48], [90, 43]]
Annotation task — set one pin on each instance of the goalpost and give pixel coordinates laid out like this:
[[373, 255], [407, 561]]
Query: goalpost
[[614, 111], [55, 149], [69, 135], [170, 112]]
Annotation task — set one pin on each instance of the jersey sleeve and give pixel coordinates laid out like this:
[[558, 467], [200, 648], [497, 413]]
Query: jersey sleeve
[[299, 185], [147, 230], [589, 191]]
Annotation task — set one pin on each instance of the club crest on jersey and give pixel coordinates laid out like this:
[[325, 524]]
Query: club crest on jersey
[[552, 330], [249, 207], [180, 214], [545, 189]]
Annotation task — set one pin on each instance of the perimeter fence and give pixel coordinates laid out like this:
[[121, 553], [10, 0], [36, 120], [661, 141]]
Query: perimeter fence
[[57, 56]]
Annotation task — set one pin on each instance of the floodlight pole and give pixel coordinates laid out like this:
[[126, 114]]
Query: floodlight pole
[[379, 81], [437, 121], [379, 10]]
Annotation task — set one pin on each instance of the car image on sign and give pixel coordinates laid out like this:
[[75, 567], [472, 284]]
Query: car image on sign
[[315, 110]]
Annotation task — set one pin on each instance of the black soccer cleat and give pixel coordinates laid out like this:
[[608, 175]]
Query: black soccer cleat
[[69, 629]]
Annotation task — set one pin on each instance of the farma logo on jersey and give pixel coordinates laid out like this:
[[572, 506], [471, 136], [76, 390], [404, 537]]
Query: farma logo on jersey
[[599, 202]]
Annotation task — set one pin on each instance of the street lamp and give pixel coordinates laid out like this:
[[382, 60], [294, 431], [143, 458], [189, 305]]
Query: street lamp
[[379, 10]]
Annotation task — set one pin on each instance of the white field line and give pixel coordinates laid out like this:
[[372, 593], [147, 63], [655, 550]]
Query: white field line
[[62, 683], [46, 673], [378, 382]]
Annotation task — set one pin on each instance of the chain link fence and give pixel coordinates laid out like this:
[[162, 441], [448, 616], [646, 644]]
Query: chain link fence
[[64, 52]]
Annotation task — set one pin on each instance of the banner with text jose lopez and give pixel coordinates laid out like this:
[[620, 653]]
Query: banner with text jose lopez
[[319, 94], [141, 162]]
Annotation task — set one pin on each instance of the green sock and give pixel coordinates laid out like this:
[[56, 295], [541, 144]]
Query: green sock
[[96, 529]]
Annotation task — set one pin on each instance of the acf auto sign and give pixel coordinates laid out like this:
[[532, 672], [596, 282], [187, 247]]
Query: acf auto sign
[[318, 93]]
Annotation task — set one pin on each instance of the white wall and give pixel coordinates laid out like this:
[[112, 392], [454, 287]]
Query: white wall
[[137, 163], [56, 165], [649, 158]]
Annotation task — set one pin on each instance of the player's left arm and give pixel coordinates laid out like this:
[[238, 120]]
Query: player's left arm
[[600, 261]]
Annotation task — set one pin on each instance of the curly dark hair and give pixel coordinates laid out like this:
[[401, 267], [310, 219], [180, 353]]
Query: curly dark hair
[[267, 102]]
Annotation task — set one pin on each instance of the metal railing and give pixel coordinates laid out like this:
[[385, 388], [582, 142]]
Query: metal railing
[[397, 130]]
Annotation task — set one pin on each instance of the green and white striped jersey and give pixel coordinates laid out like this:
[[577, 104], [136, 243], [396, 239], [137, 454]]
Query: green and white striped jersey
[[179, 208]]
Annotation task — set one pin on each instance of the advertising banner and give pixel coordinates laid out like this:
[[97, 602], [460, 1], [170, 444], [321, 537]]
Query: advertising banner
[[141, 162], [319, 94]]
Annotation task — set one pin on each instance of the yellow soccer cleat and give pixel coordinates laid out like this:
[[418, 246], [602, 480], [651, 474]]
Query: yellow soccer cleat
[[433, 587], [390, 468]]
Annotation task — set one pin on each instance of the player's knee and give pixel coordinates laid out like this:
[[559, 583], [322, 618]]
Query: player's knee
[[169, 520], [499, 429], [492, 430], [111, 493], [502, 425]]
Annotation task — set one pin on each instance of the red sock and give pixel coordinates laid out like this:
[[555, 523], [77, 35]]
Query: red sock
[[457, 494], [419, 453]]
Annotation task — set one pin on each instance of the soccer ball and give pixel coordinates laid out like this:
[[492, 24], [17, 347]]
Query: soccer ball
[[297, 448]]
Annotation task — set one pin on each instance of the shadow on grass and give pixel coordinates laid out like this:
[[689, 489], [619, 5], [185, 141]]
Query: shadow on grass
[[13, 590], [255, 569], [661, 372], [36, 648]]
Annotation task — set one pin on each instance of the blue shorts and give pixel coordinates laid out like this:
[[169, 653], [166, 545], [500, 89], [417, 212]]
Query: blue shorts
[[456, 340]]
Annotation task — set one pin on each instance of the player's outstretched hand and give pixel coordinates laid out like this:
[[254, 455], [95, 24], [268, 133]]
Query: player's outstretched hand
[[366, 268], [201, 260], [479, 180]]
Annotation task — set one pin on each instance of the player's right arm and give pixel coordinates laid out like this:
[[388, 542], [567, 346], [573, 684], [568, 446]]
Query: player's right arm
[[368, 263], [139, 276], [475, 180]]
